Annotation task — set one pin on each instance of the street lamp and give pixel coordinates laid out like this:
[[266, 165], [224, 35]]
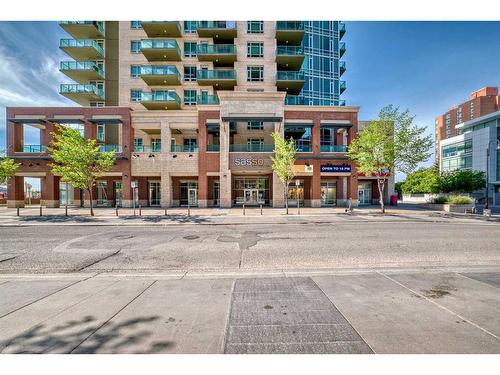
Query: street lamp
[[297, 184], [486, 206]]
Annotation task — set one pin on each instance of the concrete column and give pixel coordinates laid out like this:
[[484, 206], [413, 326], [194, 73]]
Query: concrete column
[[343, 181], [278, 193], [127, 196], [202, 190], [225, 171], [316, 186], [50, 190], [352, 189], [166, 179], [143, 193], [166, 189], [15, 192], [316, 137]]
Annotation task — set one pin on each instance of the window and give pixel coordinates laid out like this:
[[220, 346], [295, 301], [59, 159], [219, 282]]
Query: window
[[190, 27], [189, 73], [189, 97], [100, 133], [135, 25], [135, 46], [255, 125], [189, 49], [96, 104], [156, 144], [78, 127], [255, 73], [135, 95], [471, 110], [190, 145], [255, 27], [255, 49], [138, 144], [135, 71], [255, 144]]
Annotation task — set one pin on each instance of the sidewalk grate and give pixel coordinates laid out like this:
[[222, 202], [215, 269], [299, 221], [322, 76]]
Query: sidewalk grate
[[287, 315]]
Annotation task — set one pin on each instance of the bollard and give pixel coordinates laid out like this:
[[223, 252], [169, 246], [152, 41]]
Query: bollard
[[260, 210], [189, 210], [243, 209], [40, 210], [66, 210], [17, 210], [165, 212], [116, 209], [140, 210]]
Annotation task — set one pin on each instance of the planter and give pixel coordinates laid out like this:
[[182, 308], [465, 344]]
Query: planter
[[458, 208]]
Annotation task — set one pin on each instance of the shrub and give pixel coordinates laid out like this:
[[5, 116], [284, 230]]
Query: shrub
[[439, 200], [459, 199]]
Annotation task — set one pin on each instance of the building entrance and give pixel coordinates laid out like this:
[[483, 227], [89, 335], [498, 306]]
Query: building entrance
[[365, 193], [251, 190]]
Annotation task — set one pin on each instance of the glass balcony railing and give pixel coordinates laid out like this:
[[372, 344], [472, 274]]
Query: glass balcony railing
[[81, 43], [289, 50], [290, 25], [109, 148], [99, 25], [213, 148], [160, 96], [159, 44], [208, 100], [159, 70], [303, 146], [151, 149], [81, 89], [333, 148], [216, 49], [81, 65], [289, 76], [229, 74], [341, 49], [342, 67], [34, 148], [294, 100], [216, 25], [183, 148], [248, 147], [342, 103], [341, 29], [343, 86]]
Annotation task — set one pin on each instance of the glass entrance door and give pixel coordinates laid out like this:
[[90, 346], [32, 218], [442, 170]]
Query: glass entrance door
[[193, 197], [251, 196], [154, 193], [118, 193], [328, 193], [102, 196], [365, 193]]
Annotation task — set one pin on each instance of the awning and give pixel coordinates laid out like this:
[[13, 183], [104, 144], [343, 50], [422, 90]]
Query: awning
[[253, 118], [66, 120], [105, 121], [335, 125], [28, 120]]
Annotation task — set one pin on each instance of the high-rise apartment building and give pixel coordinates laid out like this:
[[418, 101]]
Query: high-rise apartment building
[[180, 64]]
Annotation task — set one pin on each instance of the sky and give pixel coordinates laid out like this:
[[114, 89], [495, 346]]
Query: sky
[[426, 67]]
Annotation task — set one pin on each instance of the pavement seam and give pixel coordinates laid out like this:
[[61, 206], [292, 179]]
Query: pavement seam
[[228, 316], [340, 312], [98, 261], [48, 295], [7, 259], [440, 306], [472, 279], [114, 315]]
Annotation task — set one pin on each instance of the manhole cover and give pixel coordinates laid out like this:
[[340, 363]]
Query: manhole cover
[[191, 237]]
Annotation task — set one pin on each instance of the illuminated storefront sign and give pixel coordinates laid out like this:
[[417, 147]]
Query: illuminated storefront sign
[[336, 168]]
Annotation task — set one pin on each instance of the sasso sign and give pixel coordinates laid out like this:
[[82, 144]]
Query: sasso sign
[[248, 162]]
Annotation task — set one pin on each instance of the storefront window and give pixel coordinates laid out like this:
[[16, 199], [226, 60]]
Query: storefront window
[[189, 193], [365, 193], [66, 193], [251, 190], [154, 193], [296, 192], [328, 193]]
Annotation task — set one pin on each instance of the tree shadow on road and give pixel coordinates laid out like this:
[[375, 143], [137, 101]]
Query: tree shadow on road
[[168, 218], [88, 335], [60, 219]]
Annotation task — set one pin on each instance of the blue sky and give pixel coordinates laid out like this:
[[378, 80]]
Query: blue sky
[[426, 67]]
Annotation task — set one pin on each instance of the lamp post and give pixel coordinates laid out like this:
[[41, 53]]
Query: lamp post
[[297, 184], [486, 206]]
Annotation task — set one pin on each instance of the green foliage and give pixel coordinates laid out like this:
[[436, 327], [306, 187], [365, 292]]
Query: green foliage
[[459, 199], [283, 161], [78, 160], [8, 168], [441, 199], [461, 181], [398, 186], [422, 181]]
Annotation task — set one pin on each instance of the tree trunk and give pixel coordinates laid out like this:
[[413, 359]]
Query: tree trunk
[[381, 183], [285, 195], [91, 202]]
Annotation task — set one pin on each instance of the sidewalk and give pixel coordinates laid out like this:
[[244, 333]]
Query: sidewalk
[[181, 215]]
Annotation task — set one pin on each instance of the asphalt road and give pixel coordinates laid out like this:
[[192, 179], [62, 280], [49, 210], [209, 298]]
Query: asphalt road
[[248, 248]]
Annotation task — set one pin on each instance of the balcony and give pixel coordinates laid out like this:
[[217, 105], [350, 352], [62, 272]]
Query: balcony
[[155, 29], [109, 148], [290, 81], [222, 79], [213, 148], [343, 86], [208, 100], [148, 149], [183, 148], [221, 30], [289, 57], [294, 100], [84, 29], [158, 75], [289, 32], [341, 67], [217, 53], [161, 49], [341, 49], [341, 30], [249, 147], [82, 94], [82, 49], [33, 149], [82, 71], [333, 148], [160, 100]]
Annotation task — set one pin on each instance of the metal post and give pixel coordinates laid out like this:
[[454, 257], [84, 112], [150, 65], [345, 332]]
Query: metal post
[[67, 198], [298, 204], [140, 210], [243, 209], [487, 175], [189, 210], [165, 211], [17, 210], [261, 209], [40, 210], [116, 209], [66, 210]]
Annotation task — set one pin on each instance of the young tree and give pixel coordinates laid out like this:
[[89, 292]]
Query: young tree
[[422, 181], [283, 162], [389, 144], [461, 181], [78, 160], [8, 168]]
